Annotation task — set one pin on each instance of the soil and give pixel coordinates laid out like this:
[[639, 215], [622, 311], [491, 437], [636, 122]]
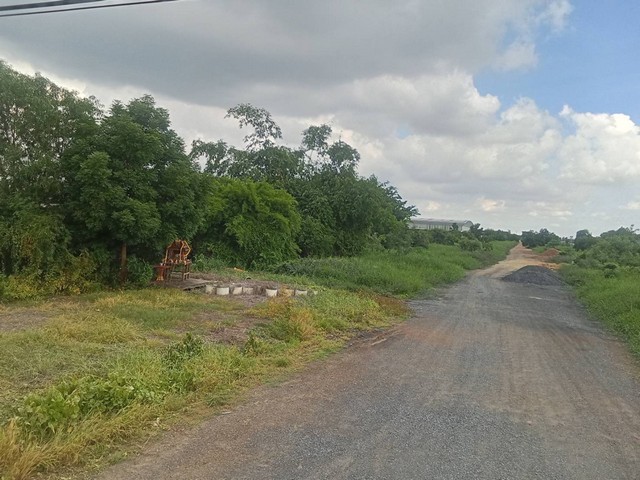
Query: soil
[[492, 379], [14, 321], [519, 257]]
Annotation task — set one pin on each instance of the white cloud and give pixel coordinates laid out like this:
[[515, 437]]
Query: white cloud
[[431, 207], [556, 14], [604, 149], [520, 55], [489, 205], [632, 206]]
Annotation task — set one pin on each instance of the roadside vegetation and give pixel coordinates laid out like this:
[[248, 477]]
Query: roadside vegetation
[[83, 377], [111, 367], [605, 274], [404, 273], [91, 196]]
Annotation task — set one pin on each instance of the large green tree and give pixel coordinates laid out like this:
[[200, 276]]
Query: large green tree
[[39, 121], [133, 185]]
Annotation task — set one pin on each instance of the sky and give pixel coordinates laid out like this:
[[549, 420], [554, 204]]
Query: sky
[[515, 114]]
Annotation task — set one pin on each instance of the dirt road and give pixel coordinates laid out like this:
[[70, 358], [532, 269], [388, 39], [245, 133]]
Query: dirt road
[[492, 380]]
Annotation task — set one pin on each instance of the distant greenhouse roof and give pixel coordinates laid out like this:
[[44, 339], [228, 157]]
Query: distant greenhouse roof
[[440, 224]]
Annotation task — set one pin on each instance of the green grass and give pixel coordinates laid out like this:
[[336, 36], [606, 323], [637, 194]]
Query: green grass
[[97, 375], [405, 273], [613, 298]]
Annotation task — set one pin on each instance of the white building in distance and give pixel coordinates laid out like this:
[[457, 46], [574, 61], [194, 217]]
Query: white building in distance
[[439, 224]]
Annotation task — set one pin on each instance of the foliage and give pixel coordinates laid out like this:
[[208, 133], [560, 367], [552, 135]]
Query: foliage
[[341, 213], [404, 272], [616, 247], [61, 407], [132, 184], [76, 399], [251, 224], [265, 129], [544, 237], [127, 181], [606, 276], [140, 272], [129, 189], [40, 121], [583, 240], [612, 298]]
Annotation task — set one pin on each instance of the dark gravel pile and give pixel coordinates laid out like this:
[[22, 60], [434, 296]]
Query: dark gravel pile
[[535, 275]]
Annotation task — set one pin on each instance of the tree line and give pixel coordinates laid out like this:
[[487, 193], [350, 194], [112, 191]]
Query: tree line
[[90, 194], [609, 251]]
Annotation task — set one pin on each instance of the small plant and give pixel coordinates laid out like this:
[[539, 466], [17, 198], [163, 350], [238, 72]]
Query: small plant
[[181, 378], [178, 353], [140, 272], [254, 345], [62, 406]]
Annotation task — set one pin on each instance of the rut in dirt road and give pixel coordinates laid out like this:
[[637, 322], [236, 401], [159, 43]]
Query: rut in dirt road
[[492, 380]]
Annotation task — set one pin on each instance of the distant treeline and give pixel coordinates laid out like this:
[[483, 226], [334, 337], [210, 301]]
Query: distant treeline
[[609, 251]]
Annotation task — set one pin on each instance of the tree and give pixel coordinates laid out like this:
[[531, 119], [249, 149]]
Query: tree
[[476, 230], [265, 130], [39, 121], [316, 139], [132, 185], [251, 224], [583, 240], [215, 157], [542, 238]]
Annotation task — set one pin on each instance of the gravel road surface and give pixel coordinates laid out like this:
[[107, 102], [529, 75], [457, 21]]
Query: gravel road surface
[[491, 380]]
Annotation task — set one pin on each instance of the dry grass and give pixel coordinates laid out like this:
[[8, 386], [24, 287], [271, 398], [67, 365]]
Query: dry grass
[[103, 341]]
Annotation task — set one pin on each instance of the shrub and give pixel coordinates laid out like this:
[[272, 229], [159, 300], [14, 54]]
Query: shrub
[[469, 244], [61, 407], [178, 353], [140, 273]]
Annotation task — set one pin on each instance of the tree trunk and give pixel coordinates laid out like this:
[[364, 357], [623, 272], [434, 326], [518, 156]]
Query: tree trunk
[[123, 263]]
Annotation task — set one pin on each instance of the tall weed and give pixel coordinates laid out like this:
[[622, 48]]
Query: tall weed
[[614, 299], [402, 272]]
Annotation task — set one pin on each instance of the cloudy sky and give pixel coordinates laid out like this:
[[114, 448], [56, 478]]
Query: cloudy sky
[[517, 114]]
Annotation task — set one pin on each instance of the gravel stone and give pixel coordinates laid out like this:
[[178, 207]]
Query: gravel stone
[[535, 275]]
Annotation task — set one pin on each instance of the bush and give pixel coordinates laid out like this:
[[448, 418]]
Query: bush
[[250, 224], [178, 353], [61, 407], [470, 244], [140, 273], [208, 263]]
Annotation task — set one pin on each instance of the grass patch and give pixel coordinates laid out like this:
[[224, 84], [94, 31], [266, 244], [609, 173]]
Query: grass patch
[[84, 382], [613, 298], [404, 273]]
